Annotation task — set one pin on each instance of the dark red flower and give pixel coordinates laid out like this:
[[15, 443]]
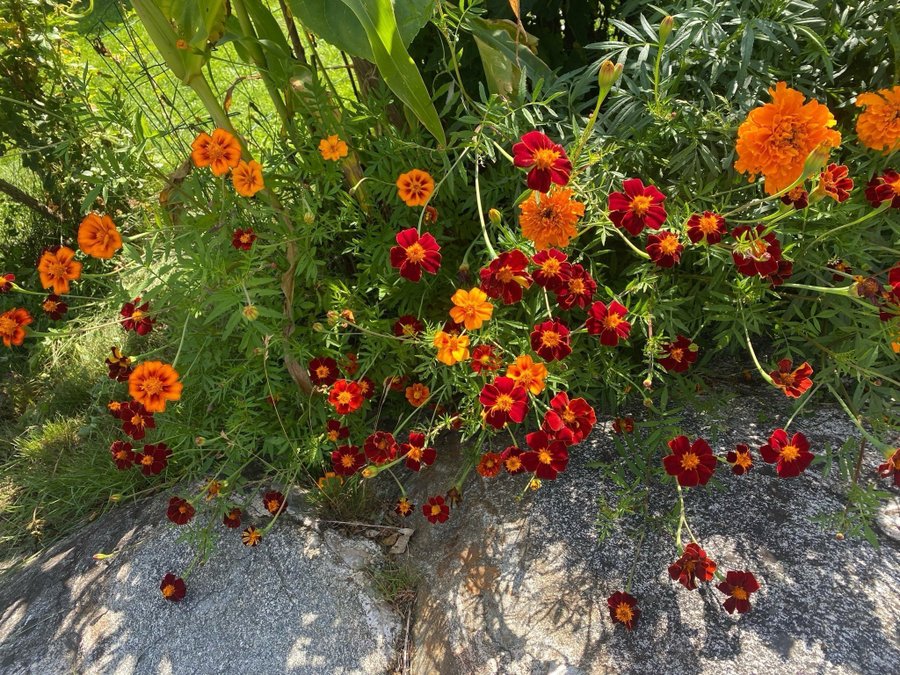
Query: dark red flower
[[350, 364], [692, 464], [577, 289], [408, 326], [172, 588], [6, 282], [738, 586], [623, 609], [154, 459], [576, 415], [416, 452], [504, 401], [883, 188], [274, 502], [608, 322], [664, 248], [790, 456], [842, 269], [335, 431], [323, 371], [180, 511], [506, 277], [136, 317], [794, 382], [404, 507], [707, 227], [755, 253], [891, 466], [381, 447], [490, 464], [119, 366], [243, 239], [436, 510], [512, 460], [784, 271], [136, 420], [366, 387], [123, 455], [680, 355], [835, 182], [637, 207], [547, 160], [691, 566], [54, 307], [547, 456], [431, 215], [347, 460], [415, 253], [740, 459], [623, 425], [346, 397], [483, 358], [797, 197], [232, 519], [396, 382], [550, 340], [553, 269]]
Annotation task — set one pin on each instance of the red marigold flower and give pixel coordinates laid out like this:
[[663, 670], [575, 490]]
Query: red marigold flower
[[232, 519], [404, 507], [885, 187], [180, 511], [408, 326], [154, 459], [550, 340], [350, 364], [577, 289], [794, 382], [608, 322], [274, 502], [251, 536], [172, 588], [691, 566], [553, 269], [119, 366], [347, 460], [576, 415], [345, 396], [381, 447], [842, 269], [243, 239], [136, 419], [692, 464], [790, 456], [483, 358], [637, 207], [436, 510], [835, 182], [738, 586], [366, 387], [416, 452], [680, 355], [137, 317], [547, 456], [323, 371], [415, 253], [504, 401], [623, 609], [396, 382], [490, 464], [740, 459], [755, 252], [122, 454], [797, 197], [114, 407], [547, 160], [6, 282], [623, 425], [664, 248], [335, 431], [54, 307], [12, 326], [512, 460], [506, 277], [891, 466], [784, 271], [707, 227]]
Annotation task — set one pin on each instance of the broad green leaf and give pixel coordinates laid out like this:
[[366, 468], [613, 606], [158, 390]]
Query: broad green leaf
[[505, 51]]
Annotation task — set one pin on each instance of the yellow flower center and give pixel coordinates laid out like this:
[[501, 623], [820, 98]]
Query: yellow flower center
[[895, 186], [576, 286], [689, 461], [568, 416], [677, 354], [744, 460], [152, 386], [641, 204], [790, 452], [504, 403], [435, 509], [322, 372], [669, 245], [544, 456], [347, 461], [612, 320], [50, 305], [7, 326], [245, 238], [215, 151], [57, 269], [624, 612], [415, 253], [505, 274], [415, 453], [550, 339], [551, 267], [708, 224], [739, 593], [137, 315], [513, 463], [168, 590], [147, 460], [344, 397], [137, 421], [788, 379], [545, 158]]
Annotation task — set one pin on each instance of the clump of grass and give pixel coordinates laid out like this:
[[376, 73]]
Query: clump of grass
[[396, 582]]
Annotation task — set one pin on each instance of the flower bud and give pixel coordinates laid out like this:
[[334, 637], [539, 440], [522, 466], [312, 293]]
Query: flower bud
[[115, 497], [369, 472], [816, 161], [609, 74], [318, 327], [199, 441], [495, 216], [309, 218], [250, 312], [665, 29]]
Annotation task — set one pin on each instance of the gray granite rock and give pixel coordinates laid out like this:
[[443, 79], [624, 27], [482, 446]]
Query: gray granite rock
[[520, 586], [300, 602]]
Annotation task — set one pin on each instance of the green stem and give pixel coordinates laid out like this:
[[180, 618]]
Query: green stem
[[759, 367], [642, 254], [484, 232], [885, 205]]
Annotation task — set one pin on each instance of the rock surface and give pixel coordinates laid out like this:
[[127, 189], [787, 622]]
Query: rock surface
[[300, 602], [520, 586]]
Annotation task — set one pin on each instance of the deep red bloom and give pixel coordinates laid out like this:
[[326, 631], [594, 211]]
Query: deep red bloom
[[119, 366], [664, 248], [154, 459], [835, 182], [547, 456], [122, 454], [396, 382], [137, 317], [637, 207], [335, 431], [798, 197], [274, 501], [790, 456], [691, 464], [366, 387], [547, 160], [347, 460], [576, 415], [381, 447], [784, 271], [490, 464], [404, 507], [136, 419], [436, 510], [172, 588], [506, 277], [707, 227], [416, 452], [180, 511], [755, 252], [794, 382], [842, 270], [6, 282], [740, 459], [738, 586], [408, 326], [608, 322], [883, 188], [504, 401], [243, 239], [232, 519], [623, 425], [483, 358], [577, 289], [415, 253], [891, 466], [553, 269], [512, 460], [54, 307], [350, 364], [623, 609], [323, 371], [680, 355], [345, 396], [691, 566], [550, 340]]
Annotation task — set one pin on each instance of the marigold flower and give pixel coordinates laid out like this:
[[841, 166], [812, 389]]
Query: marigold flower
[[220, 152], [528, 373], [350, 364], [547, 160], [122, 455], [114, 407], [692, 464], [417, 394], [637, 207], [506, 276], [547, 457], [790, 456], [251, 536], [842, 270], [679, 355], [691, 566], [504, 401], [347, 460], [577, 289], [333, 149], [57, 267], [172, 588], [878, 127], [335, 431], [512, 460], [776, 138], [794, 382], [274, 502], [153, 383], [345, 396], [608, 322], [891, 466], [623, 609], [883, 188], [550, 340], [380, 447], [490, 464], [247, 178], [664, 248], [797, 197], [213, 488], [834, 181], [366, 387], [623, 425], [415, 187], [243, 238], [323, 371], [549, 219], [136, 317], [471, 308], [119, 366], [431, 215], [408, 326], [436, 510], [404, 507], [136, 420], [755, 253], [180, 511], [6, 282], [232, 519], [417, 453], [706, 227], [740, 459], [484, 359], [98, 236], [738, 586], [12, 326], [415, 253], [553, 269], [451, 348], [154, 459], [575, 414]]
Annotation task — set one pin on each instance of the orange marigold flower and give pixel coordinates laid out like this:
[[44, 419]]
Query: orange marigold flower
[[472, 308], [346, 397], [98, 236], [247, 178], [835, 182], [878, 127], [404, 507], [274, 502], [251, 536], [333, 148], [153, 383], [417, 394], [451, 348], [706, 227], [220, 152], [776, 138], [794, 382], [57, 267], [415, 187], [12, 326], [490, 464], [549, 219], [528, 374]]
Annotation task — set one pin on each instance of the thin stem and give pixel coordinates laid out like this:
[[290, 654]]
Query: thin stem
[[484, 231]]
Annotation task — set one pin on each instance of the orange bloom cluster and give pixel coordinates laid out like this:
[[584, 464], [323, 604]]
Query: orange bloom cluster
[[878, 127], [549, 219], [221, 152]]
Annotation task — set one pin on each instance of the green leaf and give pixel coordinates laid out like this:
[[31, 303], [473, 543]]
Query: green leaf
[[504, 54]]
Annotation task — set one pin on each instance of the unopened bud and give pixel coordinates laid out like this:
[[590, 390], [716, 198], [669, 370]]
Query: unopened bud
[[309, 218], [250, 312], [608, 75], [495, 216], [839, 536], [648, 403], [199, 441], [665, 29], [369, 472], [318, 327], [115, 497], [816, 161]]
